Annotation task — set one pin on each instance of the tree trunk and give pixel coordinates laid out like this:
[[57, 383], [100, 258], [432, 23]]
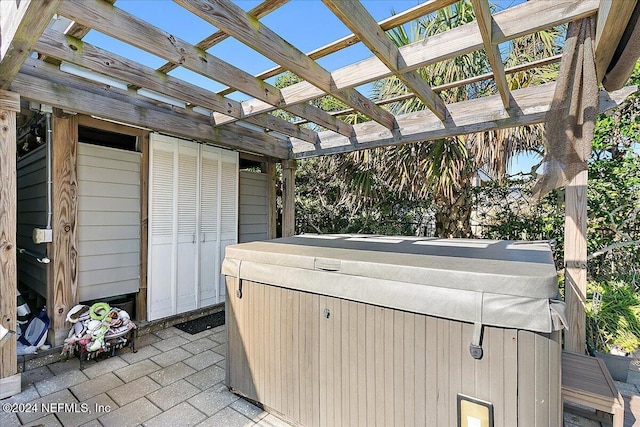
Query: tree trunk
[[454, 217]]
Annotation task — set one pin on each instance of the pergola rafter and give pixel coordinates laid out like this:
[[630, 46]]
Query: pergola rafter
[[235, 21]]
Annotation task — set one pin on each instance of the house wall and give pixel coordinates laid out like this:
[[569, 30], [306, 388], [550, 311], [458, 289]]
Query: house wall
[[32, 213], [253, 219], [108, 221]]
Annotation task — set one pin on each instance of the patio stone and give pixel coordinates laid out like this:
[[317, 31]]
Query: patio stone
[[203, 334], [249, 410], [213, 399], [35, 375], [171, 395], [99, 385], [170, 343], [633, 377], [146, 340], [60, 382], [207, 377], [96, 406], [72, 364], [170, 357], [221, 349], [61, 397], [182, 415], [627, 389], [227, 417], [137, 370], [94, 369], [272, 421], [48, 421], [143, 353], [28, 394], [172, 373], [134, 390], [199, 345], [203, 360], [8, 419], [571, 420], [219, 337], [92, 423], [167, 332], [131, 415]]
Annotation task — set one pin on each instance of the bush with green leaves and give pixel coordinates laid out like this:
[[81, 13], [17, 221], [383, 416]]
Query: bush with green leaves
[[615, 321]]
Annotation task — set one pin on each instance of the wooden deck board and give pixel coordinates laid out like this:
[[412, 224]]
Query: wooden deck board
[[586, 380]]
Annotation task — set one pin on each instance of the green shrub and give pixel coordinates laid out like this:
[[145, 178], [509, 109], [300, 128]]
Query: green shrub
[[616, 322]]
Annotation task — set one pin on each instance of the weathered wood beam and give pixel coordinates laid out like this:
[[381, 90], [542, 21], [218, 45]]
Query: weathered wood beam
[[9, 376], [477, 115], [358, 20], [260, 11], [514, 22], [396, 20], [613, 17], [66, 48], [21, 23], [288, 198], [121, 25], [44, 83], [485, 23], [457, 83], [270, 169], [141, 297], [78, 30], [236, 22], [62, 289], [575, 260]]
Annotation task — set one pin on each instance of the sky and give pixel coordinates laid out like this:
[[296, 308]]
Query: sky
[[308, 24]]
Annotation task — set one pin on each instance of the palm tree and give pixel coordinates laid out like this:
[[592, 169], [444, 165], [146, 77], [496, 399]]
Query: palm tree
[[440, 170], [443, 169]]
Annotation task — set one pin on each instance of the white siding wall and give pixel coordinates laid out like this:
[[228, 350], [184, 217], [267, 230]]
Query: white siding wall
[[32, 213], [253, 207], [108, 221]]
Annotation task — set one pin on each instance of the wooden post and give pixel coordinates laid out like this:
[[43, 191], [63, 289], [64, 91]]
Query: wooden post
[[270, 169], [62, 292], [9, 376], [575, 260], [141, 299], [288, 198]]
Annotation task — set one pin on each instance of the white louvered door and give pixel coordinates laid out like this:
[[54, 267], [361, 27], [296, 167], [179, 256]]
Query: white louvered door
[[160, 276], [193, 215], [209, 218], [187, 226]]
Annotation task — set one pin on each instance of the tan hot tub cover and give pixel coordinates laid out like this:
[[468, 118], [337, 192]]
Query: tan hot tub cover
[[487, 282]]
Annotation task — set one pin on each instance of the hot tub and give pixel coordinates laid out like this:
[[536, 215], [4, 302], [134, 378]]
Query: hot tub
[[353, 330]]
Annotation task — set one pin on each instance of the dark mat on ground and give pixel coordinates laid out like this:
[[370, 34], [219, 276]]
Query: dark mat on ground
[[202, 323]]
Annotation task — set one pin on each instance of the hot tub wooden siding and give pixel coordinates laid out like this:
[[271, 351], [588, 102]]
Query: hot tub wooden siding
[[374, 366]]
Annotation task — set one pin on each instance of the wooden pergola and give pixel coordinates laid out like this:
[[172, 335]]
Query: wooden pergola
[[250, 126]]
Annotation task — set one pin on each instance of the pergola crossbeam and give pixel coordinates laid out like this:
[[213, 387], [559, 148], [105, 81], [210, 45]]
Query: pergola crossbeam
[[121, 25], [396, 20], [358, 20], [239, 24], [514, 22], [45, 83], [485, 24], [476, 115], [257, 12], [67, 48], [21, 26]]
